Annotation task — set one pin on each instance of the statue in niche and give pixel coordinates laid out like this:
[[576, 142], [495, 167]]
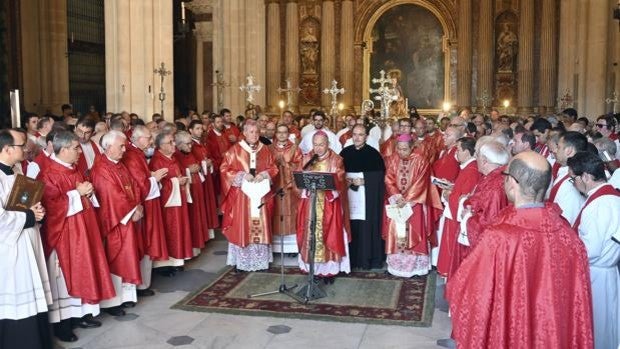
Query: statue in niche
[[309, 49], [507, 42], [399, 106]]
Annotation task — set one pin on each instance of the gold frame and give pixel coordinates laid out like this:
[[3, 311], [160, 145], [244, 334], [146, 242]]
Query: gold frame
[[445, 46]]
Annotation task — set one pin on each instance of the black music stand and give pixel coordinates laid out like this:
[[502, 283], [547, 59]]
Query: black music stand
[[313, 181]]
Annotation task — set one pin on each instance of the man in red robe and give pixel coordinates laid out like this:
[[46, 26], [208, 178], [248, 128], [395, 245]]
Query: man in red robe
[[84, 130], [151, 227], [203, 155], [247, 170], [407, 182], [347, 132], [72, 242], [120, 207], [294, 133], [433, 139], [332, 229], [173, 202], [388, 147], [230, 129], [197, 205], [288, 158], [463, 185], [526, 284], [218, 145]]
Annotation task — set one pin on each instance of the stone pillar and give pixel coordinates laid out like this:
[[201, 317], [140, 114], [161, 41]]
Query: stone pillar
[[526, 57], [133, 52], [548, 55], [464, 54], [346, 52], [596, 57], [567, 47], [291, 49], [255, 49], [273, 53], [485, 52], [204, 34], [328, 49]]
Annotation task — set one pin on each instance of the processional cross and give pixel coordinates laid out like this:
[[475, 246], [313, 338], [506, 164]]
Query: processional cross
[[162, 72], [613, 101], [385, 94], [250, 89], [566, 101], [220, 85], [289, 90], [484, 98], [334, 91]]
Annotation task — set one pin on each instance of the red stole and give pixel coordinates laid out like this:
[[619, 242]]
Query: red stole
[[554, 190], [287, 158], [345, 137], [606, 189], [82, 165], [554, 170], [76, 239], [201, 152], [197, 208]]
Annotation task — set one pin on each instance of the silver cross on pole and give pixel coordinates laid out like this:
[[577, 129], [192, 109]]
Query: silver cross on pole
[[385, 93], [162, 72], [249, 88], [220, 85], [334, 91], [289, 90], [613, 101], [566, 101], [484, 98]]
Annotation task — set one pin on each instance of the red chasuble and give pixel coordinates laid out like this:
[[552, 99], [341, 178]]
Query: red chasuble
[[294, 130], [197, 208], [218, 145], [42, 160], [201, 152], [465, 182], [288, 158], [525, 285], [345, 137], [151, 227], [411, 178], [237, 225], [118, 194], [433, 145], [176, 219], [76, 239], [388, 147], [447, 166], [82, 165], [331, 215]]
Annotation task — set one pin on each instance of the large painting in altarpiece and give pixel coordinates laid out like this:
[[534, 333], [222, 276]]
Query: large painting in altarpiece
[[407, 43]]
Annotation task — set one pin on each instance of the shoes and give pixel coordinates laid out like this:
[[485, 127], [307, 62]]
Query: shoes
[[64, 332], [165, 271], [128, 304], [66, 337], [181, 268], [329, 280], [115, 311], [446, 343], [145, 293], [85, 322]]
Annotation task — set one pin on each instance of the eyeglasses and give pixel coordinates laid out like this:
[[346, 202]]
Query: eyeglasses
[[455, 125], [319, 120], [601, 125], [510, 175], [572, 179], [18, 145]]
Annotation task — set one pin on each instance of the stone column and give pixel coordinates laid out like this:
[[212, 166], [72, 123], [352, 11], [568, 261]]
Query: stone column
[[485, 52], [255, 49], [548, 55], [464, 54], [346, 52], [273, 53], [328, 49], [567, 47], [526, 56], [204, 34], [133, 52], [291, 49], [596, 57]]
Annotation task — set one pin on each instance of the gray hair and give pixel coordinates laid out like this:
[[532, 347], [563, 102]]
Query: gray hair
[[182, 137], [533, 183], [495, 153], [139, 131], [109, 138], [159, 138], [606, 144], [63, 139]]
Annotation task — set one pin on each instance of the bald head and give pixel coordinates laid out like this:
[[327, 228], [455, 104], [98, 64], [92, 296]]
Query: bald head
[[532, 173]]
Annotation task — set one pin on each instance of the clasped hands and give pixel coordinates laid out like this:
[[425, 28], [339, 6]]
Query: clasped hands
[[254, 179], [38, 210]]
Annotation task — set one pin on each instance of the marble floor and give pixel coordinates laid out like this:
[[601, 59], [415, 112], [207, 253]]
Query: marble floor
[[153, 325]]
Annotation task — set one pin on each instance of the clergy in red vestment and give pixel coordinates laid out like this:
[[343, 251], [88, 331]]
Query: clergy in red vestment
[[173, 202], [433, 139], [407, 183], [247, 171], [230, 129], [151, 227], [218, 145], [120, 207], [203, 155], [84, 130], [197, 205], [294, 133], [526, 284], [347, 133], [332, 228], [388, 147], [463, 185], [76, 258], [288, 158], [480, 209]]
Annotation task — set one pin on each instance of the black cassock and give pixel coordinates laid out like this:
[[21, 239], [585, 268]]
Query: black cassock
[[366, 249]]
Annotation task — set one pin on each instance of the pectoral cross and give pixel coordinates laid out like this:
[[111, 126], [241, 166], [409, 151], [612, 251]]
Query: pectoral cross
[[334, 91], [289, 90], [162, 72], [220, 85], [385, 93], [249, 88], [613, 101]]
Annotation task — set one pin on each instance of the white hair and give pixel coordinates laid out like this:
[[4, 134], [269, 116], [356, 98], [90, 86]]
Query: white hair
[[109, 138], [139, 131], [495, 152]]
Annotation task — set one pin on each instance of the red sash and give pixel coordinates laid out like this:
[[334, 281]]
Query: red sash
[[554, 170], [556, 188], [607, 189]]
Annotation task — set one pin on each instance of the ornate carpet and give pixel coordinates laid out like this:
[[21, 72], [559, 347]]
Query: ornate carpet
[[364, 297]]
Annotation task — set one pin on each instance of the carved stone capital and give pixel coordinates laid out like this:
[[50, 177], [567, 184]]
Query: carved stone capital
[[199, 7], [204, 31]]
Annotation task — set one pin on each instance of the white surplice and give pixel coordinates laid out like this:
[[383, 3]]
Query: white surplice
[[568, 197]]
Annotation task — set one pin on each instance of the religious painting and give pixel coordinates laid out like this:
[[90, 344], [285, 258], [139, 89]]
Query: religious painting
[[407, 43], [309, 34], [506, 50]]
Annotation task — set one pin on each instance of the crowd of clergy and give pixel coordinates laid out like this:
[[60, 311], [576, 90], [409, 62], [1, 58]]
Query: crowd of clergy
[[521, 215]]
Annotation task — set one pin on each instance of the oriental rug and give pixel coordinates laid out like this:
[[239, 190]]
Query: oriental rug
[[364, 297]]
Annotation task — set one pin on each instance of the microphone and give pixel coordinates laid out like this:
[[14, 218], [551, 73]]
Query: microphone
[[310, 162]]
